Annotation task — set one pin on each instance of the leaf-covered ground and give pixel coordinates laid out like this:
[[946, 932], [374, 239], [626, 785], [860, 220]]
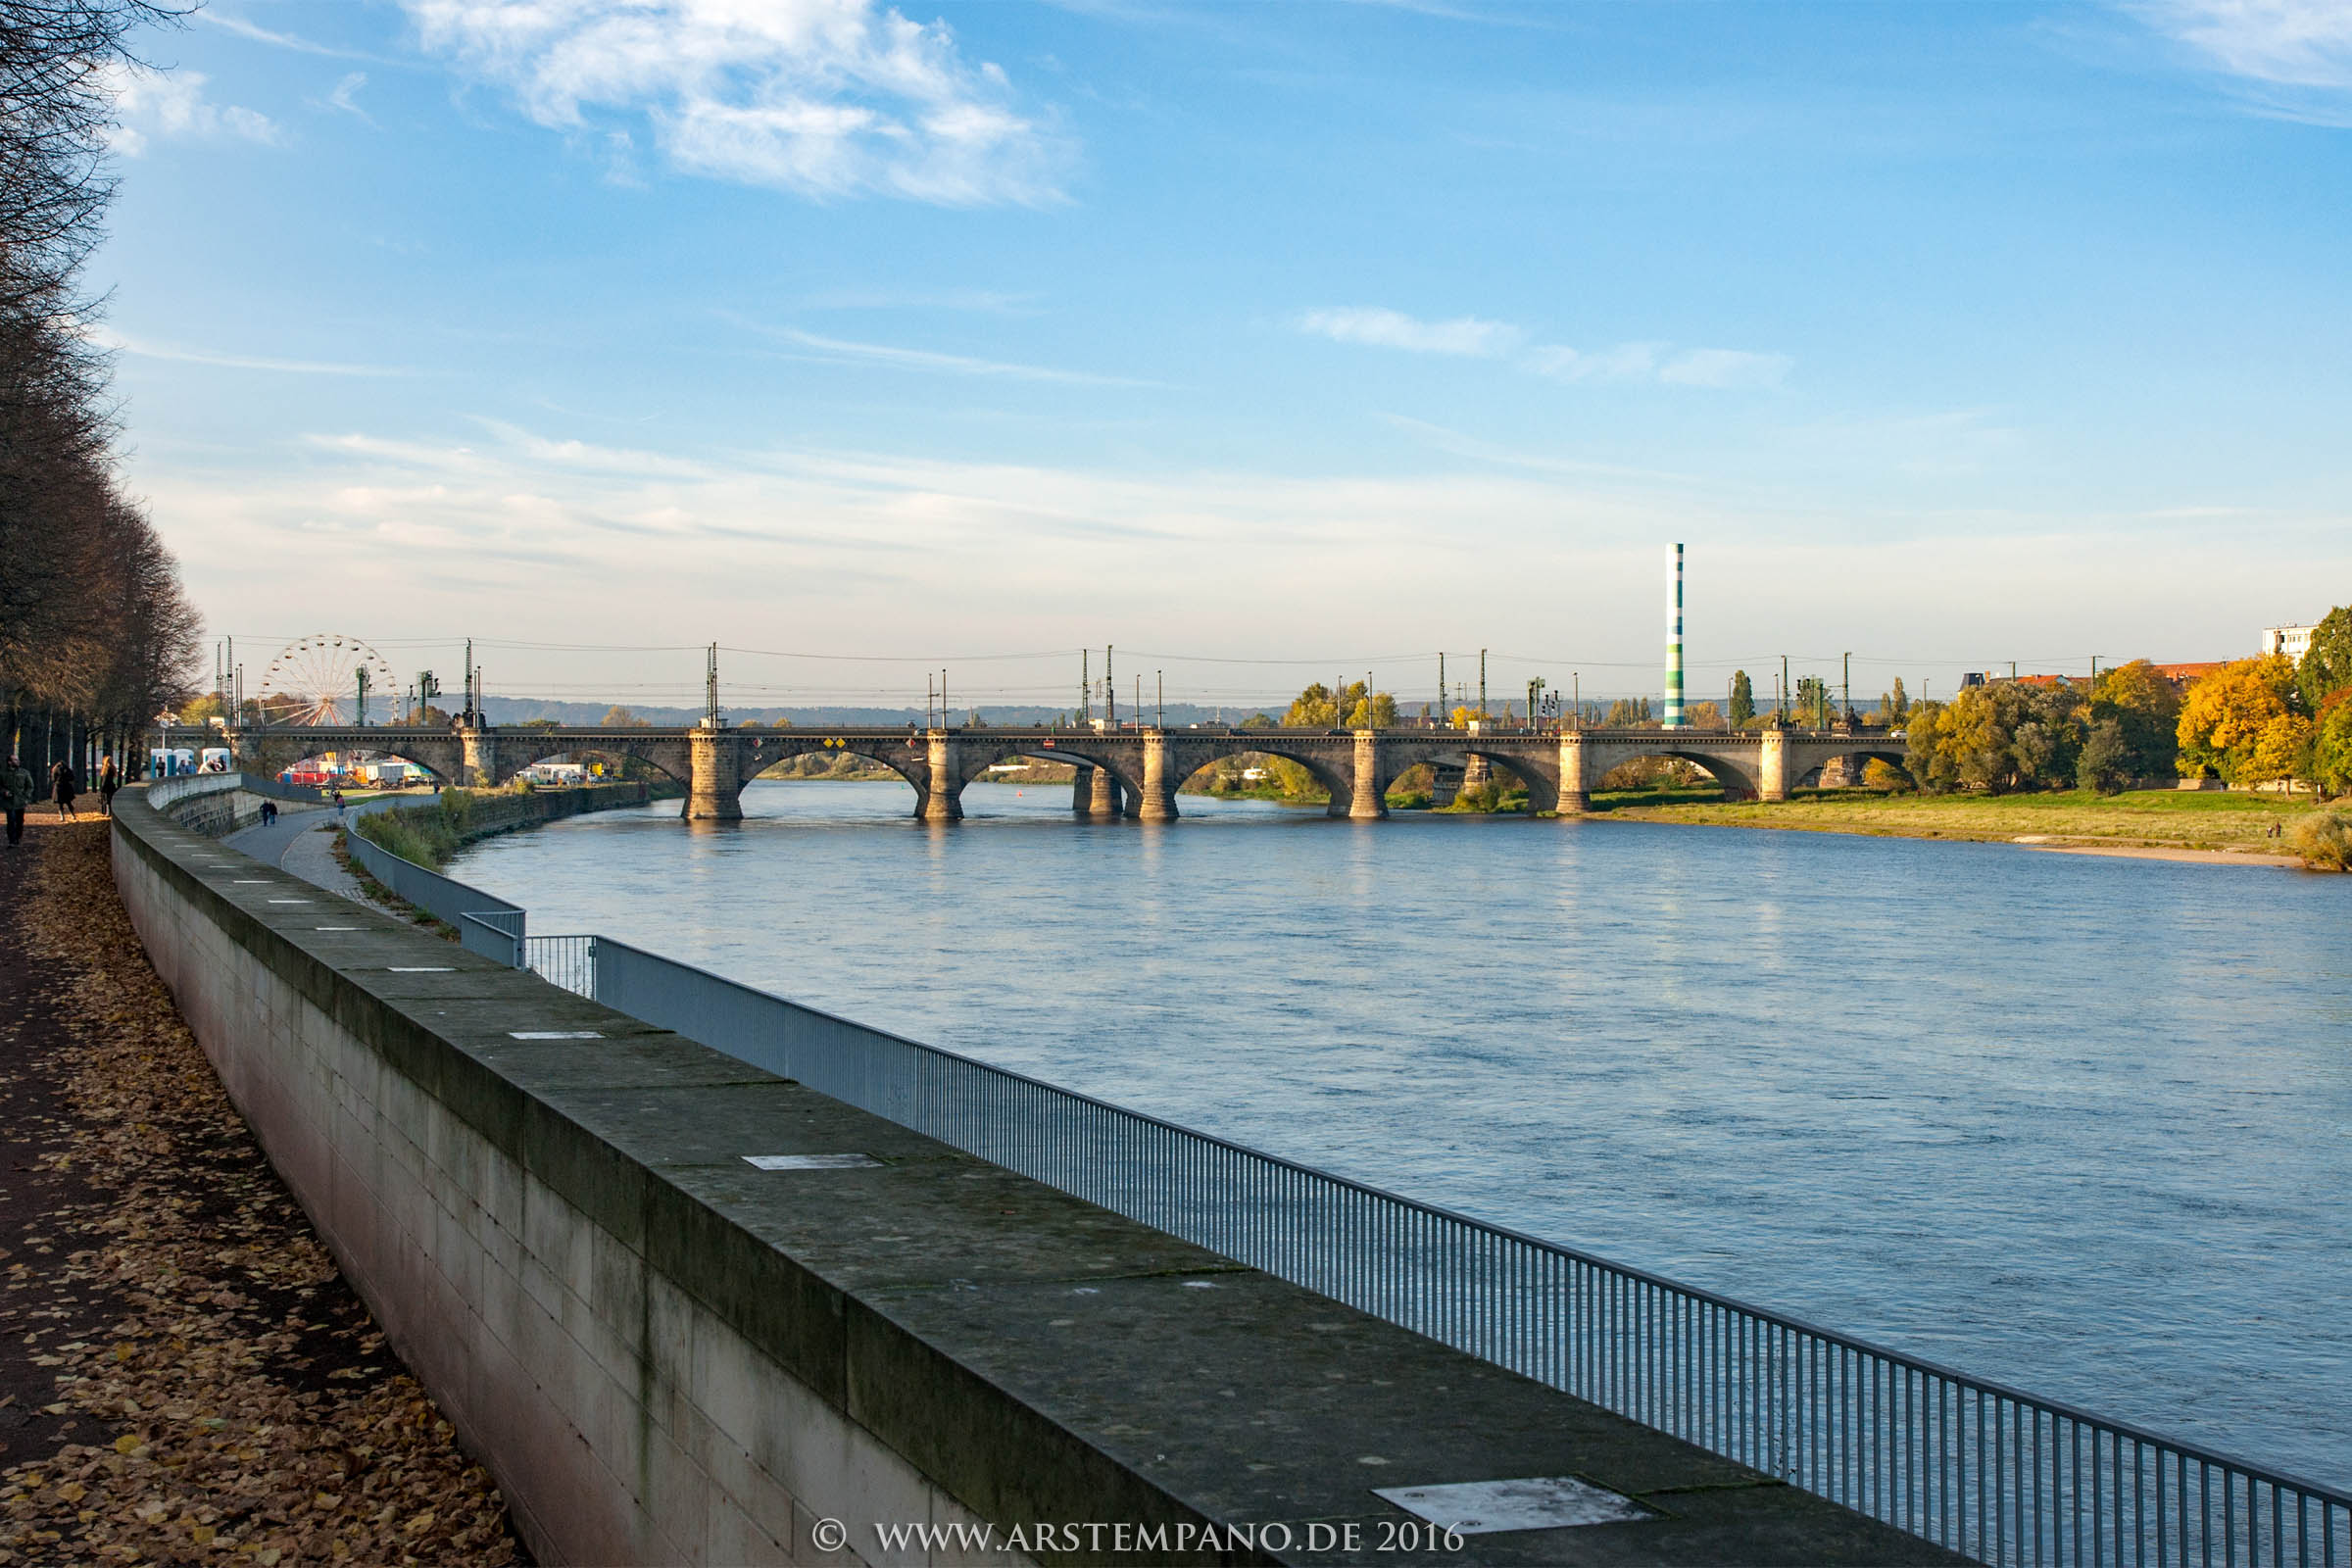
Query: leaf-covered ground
[[184, 1377]]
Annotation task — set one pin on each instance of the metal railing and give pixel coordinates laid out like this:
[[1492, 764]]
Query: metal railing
[[494, 934], [1985, 1470], [484, 923]]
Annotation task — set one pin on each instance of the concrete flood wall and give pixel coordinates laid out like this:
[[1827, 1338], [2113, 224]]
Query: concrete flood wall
[[502, 1244], [666, 1353], [214, 804]]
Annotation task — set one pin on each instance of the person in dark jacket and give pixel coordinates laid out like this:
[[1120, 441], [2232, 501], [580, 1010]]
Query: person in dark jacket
[[63, 787], [16, 794], [110, 779]]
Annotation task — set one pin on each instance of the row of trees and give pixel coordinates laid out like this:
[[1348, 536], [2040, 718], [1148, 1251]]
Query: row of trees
[[2274, 720], [95, 635], [2253, 722], [2024, 735], [2020, 735]]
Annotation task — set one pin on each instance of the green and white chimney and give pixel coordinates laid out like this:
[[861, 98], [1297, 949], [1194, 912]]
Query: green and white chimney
[[1674, 637]]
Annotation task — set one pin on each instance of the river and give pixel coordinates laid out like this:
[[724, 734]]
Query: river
[[2083, 1125]]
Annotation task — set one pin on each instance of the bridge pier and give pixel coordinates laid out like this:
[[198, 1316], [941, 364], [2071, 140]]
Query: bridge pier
[[1366, 802], [1095, 794], [1157, 802], [1771, 766], [480, 768], [943, 800], [715, 789], [1576, 793]]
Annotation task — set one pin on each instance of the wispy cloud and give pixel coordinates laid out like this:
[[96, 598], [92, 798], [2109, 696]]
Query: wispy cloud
[[845, 351], [554, 534], [152, 105], [2303, 43], [1394, 329], [1488, 16], [346, 95], [1470, 337], [243, 29], [824, 98], [560, 529], [947, 299], [142, 350], [1477, 449], [2293, 57], [1627, 362]]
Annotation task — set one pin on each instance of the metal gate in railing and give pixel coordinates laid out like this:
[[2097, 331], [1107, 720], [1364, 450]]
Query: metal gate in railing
[[1985, 1470]]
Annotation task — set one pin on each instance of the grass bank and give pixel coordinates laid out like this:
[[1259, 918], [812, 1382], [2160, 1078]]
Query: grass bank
[[431, 831], [422, 835], [2156, 819]]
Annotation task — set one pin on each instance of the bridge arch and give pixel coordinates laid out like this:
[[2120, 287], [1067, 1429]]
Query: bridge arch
[[270, 756], [1543, 785], [516, 751], [1122, 766], [1194, 756], [1854, 758], [762, 752], [1735, 775]]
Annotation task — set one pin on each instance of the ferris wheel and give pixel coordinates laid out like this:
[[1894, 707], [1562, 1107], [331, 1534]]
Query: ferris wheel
[[324, 678]]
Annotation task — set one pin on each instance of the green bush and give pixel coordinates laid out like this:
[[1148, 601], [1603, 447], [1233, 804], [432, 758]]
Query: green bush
[[422, 835], [2324, 841]]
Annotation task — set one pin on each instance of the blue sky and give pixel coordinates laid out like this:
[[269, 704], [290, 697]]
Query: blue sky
[[1944, 334]]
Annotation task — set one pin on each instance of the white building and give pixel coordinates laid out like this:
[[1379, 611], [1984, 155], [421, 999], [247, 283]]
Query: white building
[[2292, 641]]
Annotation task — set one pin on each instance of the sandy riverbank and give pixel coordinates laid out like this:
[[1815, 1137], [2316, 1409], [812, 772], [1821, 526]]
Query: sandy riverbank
[[2287, 863]]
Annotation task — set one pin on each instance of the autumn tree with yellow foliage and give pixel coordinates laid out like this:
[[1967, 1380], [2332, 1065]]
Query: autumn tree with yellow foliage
[[2331, 744], [2243, 724], [1356, 708]]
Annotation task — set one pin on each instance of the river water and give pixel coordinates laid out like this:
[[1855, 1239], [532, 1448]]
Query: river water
[[2083, 1125]]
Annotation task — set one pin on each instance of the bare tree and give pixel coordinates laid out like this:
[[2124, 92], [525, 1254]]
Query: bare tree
[[94, 631]]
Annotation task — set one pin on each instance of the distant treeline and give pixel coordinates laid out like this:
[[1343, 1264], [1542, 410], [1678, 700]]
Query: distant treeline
[[2256, 721]]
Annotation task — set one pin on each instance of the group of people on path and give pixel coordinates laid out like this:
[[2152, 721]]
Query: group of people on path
[[17, 792]]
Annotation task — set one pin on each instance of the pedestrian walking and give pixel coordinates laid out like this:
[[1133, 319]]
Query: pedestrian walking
[[110, 779], [16, 794], [336, 794], [63, 787], [269, 812]]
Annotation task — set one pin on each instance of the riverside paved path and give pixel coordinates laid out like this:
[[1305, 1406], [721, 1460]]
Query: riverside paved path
[[303, 841]]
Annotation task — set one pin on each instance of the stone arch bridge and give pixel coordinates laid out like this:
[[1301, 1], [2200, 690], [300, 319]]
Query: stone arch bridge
[[1122, 773]]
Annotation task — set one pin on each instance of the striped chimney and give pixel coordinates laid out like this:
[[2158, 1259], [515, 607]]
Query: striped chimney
[[1674, 639]]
